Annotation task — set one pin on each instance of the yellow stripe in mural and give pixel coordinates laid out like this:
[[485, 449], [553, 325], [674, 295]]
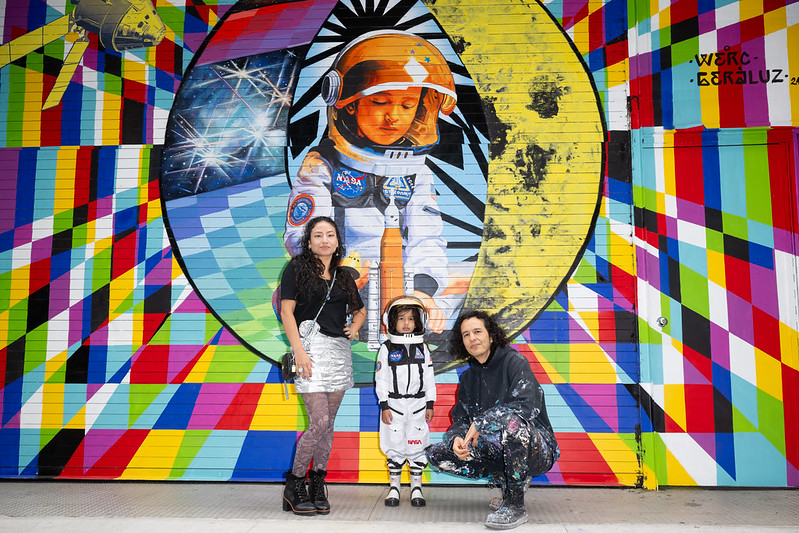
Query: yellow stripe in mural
[[669, 186], [775, 20], [709, 102], [372, 462], [53, 405], [676, 472], [588, 363], [793, 66], [154, 210], [32, 109], [622, 253], [156, 455], [622, 461], [282, 418], [20, 279], [121, 288], [716, 271], [65, 179], [618, 73], [591, 321], [789, 346], [750, 8], [197, 374], [674, 404], [135, 71], [78, 421], [769, 374], [54, 364], [112, 110]]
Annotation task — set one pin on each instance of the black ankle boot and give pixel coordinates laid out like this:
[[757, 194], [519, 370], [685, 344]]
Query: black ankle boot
[[319, 491], [295, 496]]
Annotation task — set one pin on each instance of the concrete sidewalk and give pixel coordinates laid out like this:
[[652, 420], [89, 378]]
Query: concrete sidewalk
[[122, 507]]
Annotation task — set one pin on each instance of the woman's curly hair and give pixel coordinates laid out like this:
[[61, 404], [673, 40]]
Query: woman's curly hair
[[495, 332], [308, 269]]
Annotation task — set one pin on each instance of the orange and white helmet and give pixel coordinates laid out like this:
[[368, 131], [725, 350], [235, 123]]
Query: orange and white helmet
[[390, 317], [388, 60]]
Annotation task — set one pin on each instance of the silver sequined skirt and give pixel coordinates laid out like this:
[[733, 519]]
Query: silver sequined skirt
[[332, 365]]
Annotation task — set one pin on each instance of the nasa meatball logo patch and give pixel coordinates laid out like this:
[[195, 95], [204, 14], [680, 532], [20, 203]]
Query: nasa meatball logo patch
[[395, 355], [348, 183]]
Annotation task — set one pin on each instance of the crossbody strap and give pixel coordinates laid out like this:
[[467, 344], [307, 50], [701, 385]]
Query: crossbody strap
[[327, 296]]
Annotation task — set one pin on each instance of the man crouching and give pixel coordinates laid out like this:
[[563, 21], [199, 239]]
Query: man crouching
[[500, 429]]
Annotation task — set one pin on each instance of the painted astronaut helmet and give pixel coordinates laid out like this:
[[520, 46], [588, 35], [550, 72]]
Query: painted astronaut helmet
[[391, 314], [388, 60]]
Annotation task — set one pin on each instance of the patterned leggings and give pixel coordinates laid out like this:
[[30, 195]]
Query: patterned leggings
[[317, 441], [507, 458]]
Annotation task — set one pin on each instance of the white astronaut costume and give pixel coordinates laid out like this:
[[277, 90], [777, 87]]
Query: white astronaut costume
[[351, 179], [405, 384]]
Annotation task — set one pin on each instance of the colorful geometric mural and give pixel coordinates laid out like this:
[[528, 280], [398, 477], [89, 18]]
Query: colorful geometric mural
[[124, 356], [716, 239]]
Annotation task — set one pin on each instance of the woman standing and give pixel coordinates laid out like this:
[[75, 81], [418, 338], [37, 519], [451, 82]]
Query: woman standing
[[314, 281]]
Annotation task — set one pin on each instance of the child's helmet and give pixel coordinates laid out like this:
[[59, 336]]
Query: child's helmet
[[388, 60], [390, 317]]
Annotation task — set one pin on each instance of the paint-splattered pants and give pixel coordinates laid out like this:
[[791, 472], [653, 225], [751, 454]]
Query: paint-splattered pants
[[507, 457]]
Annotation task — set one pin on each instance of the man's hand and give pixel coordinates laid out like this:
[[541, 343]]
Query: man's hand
[[462, 447]]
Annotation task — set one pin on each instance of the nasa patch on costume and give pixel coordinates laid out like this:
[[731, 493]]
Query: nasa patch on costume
[[349, 183], [419, 354], [301, 210], [395, 355]]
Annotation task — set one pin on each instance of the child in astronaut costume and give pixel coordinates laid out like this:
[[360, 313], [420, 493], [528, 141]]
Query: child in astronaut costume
[[384, 94], [406, 390]]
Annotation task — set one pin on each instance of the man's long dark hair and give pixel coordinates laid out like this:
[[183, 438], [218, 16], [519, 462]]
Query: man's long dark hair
[[308, 269], [495, 332]]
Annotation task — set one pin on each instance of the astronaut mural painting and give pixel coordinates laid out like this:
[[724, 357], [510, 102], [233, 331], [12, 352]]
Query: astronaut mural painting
[[384, 94], [454, 179], [382, 130]]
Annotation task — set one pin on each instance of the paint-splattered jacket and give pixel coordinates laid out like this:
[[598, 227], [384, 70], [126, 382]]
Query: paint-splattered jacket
[[504, 385]]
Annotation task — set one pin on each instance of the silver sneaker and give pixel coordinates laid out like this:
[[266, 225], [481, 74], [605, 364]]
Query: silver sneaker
[[496, 503], [506, 518]]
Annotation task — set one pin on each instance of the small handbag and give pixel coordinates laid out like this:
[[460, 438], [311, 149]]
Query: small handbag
[[307, 329]]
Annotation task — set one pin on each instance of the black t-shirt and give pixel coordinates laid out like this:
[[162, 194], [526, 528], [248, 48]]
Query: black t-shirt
[[334, 316]]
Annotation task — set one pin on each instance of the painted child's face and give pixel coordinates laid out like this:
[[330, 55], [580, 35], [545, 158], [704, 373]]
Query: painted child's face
[[385, 117], [405, 321]]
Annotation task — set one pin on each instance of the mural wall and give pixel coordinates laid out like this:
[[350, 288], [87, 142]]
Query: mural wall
[[714, 111], [567, 170]]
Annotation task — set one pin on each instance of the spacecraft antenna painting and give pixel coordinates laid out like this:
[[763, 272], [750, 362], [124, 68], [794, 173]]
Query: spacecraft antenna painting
[[120, 24]]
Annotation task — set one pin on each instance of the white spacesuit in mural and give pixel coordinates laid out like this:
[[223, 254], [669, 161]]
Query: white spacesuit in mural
[[384, 94]]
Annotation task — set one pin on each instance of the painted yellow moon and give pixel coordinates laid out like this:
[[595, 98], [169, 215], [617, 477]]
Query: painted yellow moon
[[546, 153]]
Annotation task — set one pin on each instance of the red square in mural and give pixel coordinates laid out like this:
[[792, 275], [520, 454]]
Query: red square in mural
[[752, 28], [767, 332], [699, 412], [446, 396], [151, 365], [343, 464]]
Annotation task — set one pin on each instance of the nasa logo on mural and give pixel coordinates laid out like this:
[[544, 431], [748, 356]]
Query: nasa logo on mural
[[348, 183]]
